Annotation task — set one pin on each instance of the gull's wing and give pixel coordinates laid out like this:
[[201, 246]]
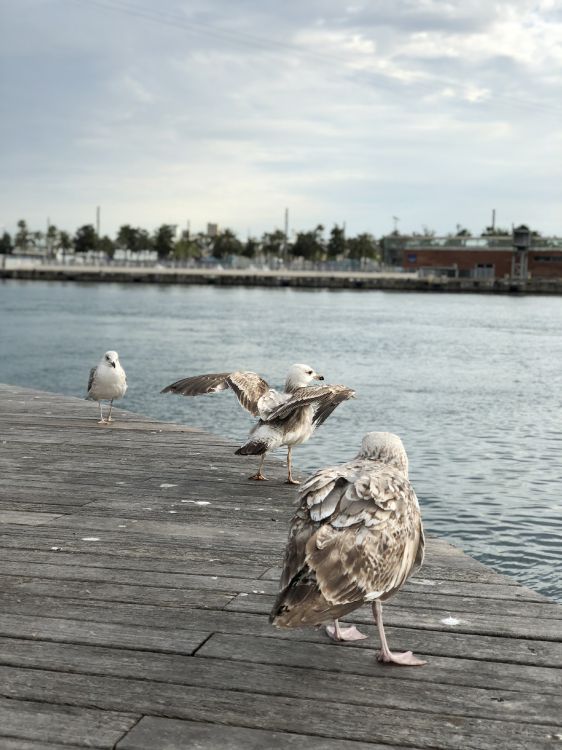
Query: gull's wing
[[270, 401], [319, 486], [372, 539], [323, 398], [327, 405], [356, 537], [91, 379], [198, 385], [249, 387]]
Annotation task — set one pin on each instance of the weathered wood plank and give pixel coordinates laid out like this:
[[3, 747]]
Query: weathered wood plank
[[173, 734], [110, 592], [362, 661], [436, 613], [442, 731], [114, 635], [202, 546], [124, 466], [57, 723], [180, 526], [39, 507], [150, 563], [438, 617], [127, 474], [134, 577], [26, 519], [11, 743], [432, 642], [121, 552], [236, 585], [378, 690], [126, 498]]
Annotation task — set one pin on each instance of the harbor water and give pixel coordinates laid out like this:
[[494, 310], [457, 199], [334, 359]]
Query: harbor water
[[472, 384]]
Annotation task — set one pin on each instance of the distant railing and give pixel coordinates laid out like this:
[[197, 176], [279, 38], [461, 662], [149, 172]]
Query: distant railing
[[229, 263], [474, 243]]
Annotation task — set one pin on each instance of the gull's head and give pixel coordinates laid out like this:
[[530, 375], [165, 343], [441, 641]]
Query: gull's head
[[385, 447], [110, 359], [301, 375]]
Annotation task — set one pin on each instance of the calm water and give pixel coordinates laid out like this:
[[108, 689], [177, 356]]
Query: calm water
[[472, 384]]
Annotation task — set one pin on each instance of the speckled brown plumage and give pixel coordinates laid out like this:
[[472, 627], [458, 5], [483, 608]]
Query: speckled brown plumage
[[356, 536]]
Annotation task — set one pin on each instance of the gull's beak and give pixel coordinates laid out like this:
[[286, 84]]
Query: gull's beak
[[318, 377], [112, 364]]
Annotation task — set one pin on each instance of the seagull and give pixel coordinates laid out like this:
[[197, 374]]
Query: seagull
[[356, 538], [107, 382], [286, 418]]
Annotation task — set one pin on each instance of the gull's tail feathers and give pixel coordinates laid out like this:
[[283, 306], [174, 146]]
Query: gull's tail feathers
[[253, 448], [301, 603]]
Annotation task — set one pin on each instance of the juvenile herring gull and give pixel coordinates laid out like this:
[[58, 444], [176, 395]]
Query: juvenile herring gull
[[107, 382], [286, 418], [355, 538]]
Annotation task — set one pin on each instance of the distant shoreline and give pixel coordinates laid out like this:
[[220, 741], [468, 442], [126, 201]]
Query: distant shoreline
[[364, 280]]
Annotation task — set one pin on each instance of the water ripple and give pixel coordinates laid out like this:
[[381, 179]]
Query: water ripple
[[471, 383]]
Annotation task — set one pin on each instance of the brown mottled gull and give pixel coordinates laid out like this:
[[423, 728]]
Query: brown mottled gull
[[107, 382], [356, 537], [286, 418]]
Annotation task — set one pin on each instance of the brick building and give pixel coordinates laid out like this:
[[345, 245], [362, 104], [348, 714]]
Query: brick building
[[482, 257]]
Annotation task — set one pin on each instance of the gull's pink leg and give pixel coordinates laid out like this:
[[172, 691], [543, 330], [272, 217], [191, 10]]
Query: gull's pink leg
[[290, 479], [337, 633], [259, 475], [405, 659]]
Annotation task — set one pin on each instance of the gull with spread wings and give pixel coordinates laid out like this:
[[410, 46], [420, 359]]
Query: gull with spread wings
[[285, 418], [356, 538]]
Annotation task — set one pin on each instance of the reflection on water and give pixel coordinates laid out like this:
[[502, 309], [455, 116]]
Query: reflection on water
[[471, 383]]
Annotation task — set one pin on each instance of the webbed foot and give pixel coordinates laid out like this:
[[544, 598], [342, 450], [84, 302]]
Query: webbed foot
[[404, 659], [345, 634]]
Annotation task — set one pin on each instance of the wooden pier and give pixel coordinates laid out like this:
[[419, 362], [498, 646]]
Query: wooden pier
[[137, 569]]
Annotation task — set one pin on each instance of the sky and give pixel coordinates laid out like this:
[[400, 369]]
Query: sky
[[231, 111]]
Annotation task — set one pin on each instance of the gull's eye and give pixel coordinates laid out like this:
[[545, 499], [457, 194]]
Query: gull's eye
[[309, 372]]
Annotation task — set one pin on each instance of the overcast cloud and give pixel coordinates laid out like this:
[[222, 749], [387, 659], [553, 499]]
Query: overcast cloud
[[231, 110]]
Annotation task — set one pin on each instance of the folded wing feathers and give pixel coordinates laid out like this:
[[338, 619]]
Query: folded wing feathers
[[316, 481], [326, 505], [360, 528], [91, 379], [295, 553]]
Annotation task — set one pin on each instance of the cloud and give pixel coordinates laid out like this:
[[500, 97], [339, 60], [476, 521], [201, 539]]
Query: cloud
[[214, 111]]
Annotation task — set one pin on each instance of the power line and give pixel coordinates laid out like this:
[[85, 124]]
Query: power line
[[178, 22], [269, 44]]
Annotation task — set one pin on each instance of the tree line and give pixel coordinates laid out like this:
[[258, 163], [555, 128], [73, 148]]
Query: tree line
[[168, 244]]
